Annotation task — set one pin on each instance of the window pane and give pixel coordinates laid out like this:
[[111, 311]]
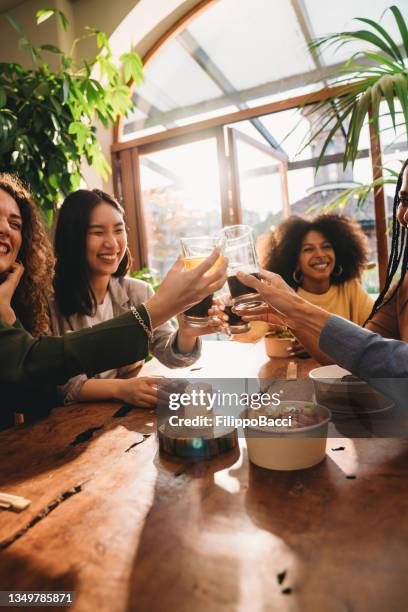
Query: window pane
[[260, 187], [181, 197]]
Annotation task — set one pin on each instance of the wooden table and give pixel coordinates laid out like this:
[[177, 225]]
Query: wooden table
[[128, 529]]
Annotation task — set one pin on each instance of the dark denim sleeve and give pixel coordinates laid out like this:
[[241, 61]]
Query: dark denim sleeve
[[382, 362]]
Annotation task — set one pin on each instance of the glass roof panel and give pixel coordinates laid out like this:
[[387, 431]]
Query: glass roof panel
[[249, 39], [256, 47], [174, 79], [136, 115], [338, 16]]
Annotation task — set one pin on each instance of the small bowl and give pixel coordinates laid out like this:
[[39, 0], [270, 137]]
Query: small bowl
[[290, 449], [277, 347], [346, 396]]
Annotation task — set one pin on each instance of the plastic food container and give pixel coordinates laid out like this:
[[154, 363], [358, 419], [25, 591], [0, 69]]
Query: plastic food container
[[288, 449], [346, 396], [277, 347]]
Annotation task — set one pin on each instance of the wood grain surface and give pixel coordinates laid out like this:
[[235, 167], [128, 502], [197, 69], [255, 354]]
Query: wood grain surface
[[130, 530]]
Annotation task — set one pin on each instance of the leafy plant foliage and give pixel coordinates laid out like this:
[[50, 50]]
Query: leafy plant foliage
[[47, 117], [368, 77]]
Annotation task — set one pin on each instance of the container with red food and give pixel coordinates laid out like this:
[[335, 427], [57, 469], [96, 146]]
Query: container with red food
[[292, 436]]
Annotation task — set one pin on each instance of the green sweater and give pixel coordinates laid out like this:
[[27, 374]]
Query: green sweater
[[30, 369]]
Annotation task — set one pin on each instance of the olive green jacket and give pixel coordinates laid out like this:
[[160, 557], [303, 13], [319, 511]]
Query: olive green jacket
[[124, 292], [30, 369]]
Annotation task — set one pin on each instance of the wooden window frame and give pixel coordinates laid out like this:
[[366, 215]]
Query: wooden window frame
[[229, 209], [234, 137]]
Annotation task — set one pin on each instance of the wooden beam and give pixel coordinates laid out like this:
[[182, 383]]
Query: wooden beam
[[234, 183], [242, 115], [283, 171], [176, 28], [141, 230], [379, 204], [234, 99], [133, 205], [160, 145], [251, 93], [115, 176], [227, 209], [128, 203]]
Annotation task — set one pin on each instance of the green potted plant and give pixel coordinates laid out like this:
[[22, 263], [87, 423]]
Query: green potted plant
[[47, 117], [369, 78]]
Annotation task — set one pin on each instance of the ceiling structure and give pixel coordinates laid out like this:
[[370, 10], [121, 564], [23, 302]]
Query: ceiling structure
[[241, 53]]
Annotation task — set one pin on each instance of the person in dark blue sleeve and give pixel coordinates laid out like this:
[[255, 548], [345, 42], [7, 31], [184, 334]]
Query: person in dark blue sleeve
[[366, 354]]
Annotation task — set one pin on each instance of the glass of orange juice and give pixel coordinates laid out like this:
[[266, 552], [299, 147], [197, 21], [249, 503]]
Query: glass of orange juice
[[195, 250]]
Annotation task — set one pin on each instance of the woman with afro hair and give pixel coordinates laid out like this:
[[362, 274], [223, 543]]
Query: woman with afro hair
[[323, 259]]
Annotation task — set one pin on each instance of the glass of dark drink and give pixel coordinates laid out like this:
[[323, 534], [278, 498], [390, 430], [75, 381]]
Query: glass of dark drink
[[235, 324], [195, 251], [241, 253]]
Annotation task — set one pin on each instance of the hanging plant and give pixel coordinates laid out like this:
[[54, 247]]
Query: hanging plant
[[47, 117]]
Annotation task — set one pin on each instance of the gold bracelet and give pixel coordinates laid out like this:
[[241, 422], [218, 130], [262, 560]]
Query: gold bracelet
[[139, 319]]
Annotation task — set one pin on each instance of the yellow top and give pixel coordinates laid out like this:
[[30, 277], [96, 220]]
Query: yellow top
[[348, 300]]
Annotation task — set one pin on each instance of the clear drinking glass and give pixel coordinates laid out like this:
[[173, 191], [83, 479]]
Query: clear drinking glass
[[241, 253], [235, 324], [195, 250]]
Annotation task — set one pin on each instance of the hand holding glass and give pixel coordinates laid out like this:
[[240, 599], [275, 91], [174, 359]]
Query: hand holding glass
[[195, 251], [241, 253]]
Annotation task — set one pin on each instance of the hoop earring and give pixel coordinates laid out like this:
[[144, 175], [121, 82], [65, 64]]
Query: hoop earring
[[340, 270], [297, 276]]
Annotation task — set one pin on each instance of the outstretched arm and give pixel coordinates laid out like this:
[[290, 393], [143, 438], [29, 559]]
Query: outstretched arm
[[364, 353]]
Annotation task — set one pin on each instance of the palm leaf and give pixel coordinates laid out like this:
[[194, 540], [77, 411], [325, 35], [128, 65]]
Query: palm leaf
[[386, 36], [384, 77], [360, 193], [401, 89], [387, 88], [370, 37], [376, 96], [338, 120], [380, 59], [402, 26], [361, 110]]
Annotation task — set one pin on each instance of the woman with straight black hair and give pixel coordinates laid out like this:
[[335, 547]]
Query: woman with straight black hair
[[91, 286], [32, 364], [389, 316]]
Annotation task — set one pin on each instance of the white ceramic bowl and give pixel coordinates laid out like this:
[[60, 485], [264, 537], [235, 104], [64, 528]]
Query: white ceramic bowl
[[290, 449], [277, 347], [348, 396]]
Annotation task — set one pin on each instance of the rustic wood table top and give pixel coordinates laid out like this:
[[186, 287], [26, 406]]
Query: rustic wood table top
[[128, 529]]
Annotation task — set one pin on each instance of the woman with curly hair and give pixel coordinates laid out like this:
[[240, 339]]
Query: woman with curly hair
[[366, 354], [323, 259], [30, 301], [32, 367]]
